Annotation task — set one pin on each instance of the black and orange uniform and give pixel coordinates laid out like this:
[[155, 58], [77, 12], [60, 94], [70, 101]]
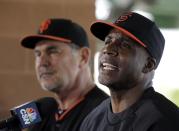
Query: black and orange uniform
[[71, 119], [152, 112]]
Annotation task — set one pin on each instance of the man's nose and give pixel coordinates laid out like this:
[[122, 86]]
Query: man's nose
[[110, 49], [44, 60]]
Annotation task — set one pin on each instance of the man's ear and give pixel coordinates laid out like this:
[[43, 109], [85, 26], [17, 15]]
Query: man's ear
[[85, 55], [150, 65]]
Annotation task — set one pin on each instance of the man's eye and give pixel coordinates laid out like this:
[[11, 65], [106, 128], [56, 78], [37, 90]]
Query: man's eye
[[37, 53], [54, 51], [126, 44], [107, 41]]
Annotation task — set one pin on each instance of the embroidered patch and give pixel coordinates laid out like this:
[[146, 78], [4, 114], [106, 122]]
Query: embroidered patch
[[44, 26], [123, 17]]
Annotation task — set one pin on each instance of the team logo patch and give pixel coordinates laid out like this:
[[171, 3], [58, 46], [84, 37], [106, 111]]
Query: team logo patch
[[123, 17], [44, 26]]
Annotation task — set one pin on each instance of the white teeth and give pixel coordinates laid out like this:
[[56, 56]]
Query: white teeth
[[108, 66]]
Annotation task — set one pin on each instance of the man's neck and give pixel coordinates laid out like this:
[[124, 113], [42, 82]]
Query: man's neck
[[121, 100], [71, 97]]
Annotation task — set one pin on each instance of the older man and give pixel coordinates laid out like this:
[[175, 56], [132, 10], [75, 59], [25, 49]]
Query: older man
[[62, 58]]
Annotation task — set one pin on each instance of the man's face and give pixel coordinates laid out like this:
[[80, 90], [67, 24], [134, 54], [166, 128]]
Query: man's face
[[56, 65], [121, 62]]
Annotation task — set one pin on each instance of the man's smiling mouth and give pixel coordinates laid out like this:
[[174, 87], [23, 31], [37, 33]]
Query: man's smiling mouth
[[108, 66]]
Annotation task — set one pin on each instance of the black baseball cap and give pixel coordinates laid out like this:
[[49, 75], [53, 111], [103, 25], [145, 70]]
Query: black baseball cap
[[137, 27], [63, 30]]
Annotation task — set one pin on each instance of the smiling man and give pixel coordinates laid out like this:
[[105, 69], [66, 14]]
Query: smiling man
[[133, 48]]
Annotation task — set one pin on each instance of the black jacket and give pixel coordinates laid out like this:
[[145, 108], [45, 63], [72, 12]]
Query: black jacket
[[152, 112]]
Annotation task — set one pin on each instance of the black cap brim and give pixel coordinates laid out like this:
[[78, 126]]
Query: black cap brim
[[101, 29], [30, 41]]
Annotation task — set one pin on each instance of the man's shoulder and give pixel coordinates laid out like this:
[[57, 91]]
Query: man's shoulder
[[155, 109], [168, 110], [166, 107], [159, 102]]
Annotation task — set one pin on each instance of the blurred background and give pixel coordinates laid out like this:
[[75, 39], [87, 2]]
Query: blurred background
[[19, 18]]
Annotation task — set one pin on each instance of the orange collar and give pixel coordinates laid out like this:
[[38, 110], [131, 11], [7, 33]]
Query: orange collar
[[60, 116]]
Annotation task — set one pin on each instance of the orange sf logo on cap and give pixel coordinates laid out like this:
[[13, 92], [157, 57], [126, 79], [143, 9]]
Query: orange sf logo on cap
[[124, 17], [44, 26]]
